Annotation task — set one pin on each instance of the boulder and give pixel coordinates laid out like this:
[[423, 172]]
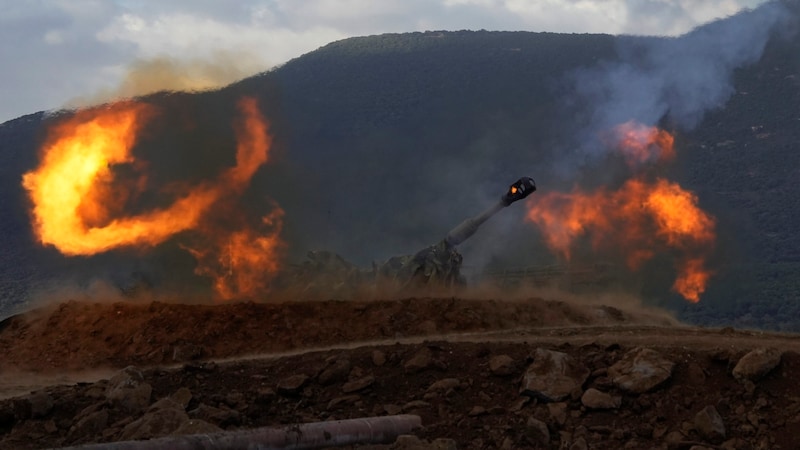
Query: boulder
[[537, 432], [444, 385], [640, 370], [378, 358], [216, 416], [187, 352], [594, 399], [36, 405], [501, 365], [336, 371], [553, 376], [358, 385], [161, 422], [182, 396], [421, 360], [196, 426], [128, 390], [708, 423], [757, 363], [292, 385], [90, 425]]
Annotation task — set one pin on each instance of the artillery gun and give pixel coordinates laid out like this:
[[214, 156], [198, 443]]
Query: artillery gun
[[439, 265]]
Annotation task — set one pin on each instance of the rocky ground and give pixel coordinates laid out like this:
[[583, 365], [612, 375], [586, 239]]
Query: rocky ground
[[481, 374]]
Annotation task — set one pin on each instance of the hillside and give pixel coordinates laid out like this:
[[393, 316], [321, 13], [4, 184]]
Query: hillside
[[383, 143]]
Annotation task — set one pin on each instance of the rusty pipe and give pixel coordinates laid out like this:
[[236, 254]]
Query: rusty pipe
[[315, 435]]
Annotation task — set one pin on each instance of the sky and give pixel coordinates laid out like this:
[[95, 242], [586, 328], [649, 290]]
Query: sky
[[69, 53]]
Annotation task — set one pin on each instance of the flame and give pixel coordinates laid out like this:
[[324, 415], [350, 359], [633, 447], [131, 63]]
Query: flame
[[241, 265], [79, 205], [639, 219], [641, 144], [692, 279]]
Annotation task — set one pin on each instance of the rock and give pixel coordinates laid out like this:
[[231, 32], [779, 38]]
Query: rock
[[754, 365], [33, 406], [501, 365], [265, 395], [536, 431], [187, 352], [392, 409], [348, 399], [579, 444], [553, 376], [128, 390], [594, 399], [407, 442], [519, 403], [696, 375], [421, 360], [166, 403], [378, 358], [157, 423], [443, 444], [235, 400], [292, 385], [90, 425], [558, 412], [182, 396], [477, 411], [415, 404], [444, 385], [641, 370], [358, 385], [335, 372], [709, 424], [50, 427], [196, 426], [217, 416]]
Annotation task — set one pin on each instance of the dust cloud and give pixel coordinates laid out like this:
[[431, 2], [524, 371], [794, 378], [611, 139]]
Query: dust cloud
[[162, 73]]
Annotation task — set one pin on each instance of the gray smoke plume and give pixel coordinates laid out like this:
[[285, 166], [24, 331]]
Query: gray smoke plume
[[677, 79]]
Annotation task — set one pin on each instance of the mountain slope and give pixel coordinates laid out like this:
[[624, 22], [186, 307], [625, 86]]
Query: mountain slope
[[384, 143]]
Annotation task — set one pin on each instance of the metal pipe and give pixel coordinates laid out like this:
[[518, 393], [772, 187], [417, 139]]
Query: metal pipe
[[368, 430]]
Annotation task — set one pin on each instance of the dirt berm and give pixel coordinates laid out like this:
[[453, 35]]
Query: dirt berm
[[482, 374]]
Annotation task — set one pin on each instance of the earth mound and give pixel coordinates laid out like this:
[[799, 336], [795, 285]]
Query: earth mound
[[480, 374]]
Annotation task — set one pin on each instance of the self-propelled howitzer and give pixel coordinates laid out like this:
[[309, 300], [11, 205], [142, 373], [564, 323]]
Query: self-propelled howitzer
[[441, 263]]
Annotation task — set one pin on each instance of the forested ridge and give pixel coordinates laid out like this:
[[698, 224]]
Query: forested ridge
[[383, 143]]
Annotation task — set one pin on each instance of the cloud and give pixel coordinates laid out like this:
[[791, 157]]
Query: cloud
[[200, 36], [56, 50]]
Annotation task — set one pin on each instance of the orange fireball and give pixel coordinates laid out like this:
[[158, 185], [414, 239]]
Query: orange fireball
[[638, 219], [641, 144], [78, 209]]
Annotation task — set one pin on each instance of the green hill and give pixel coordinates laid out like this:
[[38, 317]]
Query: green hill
[[383, 143]]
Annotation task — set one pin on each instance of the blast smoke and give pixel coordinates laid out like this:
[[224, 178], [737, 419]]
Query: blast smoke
[[654, 81], [677, 79], [163, 73]]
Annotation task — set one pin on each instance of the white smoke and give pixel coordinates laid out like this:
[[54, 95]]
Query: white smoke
[[679, 79]]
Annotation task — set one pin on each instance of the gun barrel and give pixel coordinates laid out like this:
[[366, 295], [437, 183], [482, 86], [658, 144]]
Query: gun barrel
[[524, 187]]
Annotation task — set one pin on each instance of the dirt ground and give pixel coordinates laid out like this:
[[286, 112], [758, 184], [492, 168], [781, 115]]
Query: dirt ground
[[461, 365]]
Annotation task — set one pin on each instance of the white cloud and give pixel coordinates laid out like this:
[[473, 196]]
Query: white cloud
[[179, 35], [56, 50]]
